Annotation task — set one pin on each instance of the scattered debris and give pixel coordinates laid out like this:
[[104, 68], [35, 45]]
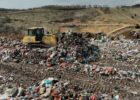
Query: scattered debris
[[78, 67]]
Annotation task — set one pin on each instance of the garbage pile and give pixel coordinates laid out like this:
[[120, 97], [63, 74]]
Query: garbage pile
[[70, 48], [52, 89], [99, 69]]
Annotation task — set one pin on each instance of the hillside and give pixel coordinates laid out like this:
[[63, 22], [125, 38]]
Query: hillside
[[97, 19]]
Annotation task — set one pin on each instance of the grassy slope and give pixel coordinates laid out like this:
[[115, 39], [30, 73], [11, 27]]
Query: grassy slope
[[86, 20]]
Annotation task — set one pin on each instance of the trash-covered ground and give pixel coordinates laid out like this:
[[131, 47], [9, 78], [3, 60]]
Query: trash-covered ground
[[78, 68]]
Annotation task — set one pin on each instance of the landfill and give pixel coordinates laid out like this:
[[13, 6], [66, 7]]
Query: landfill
[[78, 68]]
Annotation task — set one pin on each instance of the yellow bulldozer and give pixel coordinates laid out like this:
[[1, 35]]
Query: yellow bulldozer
[[37, 37]]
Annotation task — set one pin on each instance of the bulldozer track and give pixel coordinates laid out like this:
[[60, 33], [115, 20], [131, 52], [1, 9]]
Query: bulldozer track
[[121, 30], [95, 83], [76, 79]]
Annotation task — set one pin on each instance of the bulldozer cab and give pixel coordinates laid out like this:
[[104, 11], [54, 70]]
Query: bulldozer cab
[[36, 35], [37, 32]]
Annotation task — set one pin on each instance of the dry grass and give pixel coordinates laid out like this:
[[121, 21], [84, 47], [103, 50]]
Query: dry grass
[[85, 20]]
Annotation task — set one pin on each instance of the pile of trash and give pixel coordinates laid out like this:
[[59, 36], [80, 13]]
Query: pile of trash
[[71, 47], [52, 89], [100, 69]]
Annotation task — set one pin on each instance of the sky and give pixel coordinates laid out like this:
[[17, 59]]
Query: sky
[[24, 4]]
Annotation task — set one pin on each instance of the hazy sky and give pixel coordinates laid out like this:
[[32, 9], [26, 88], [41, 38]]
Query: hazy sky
[[36, 3]]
